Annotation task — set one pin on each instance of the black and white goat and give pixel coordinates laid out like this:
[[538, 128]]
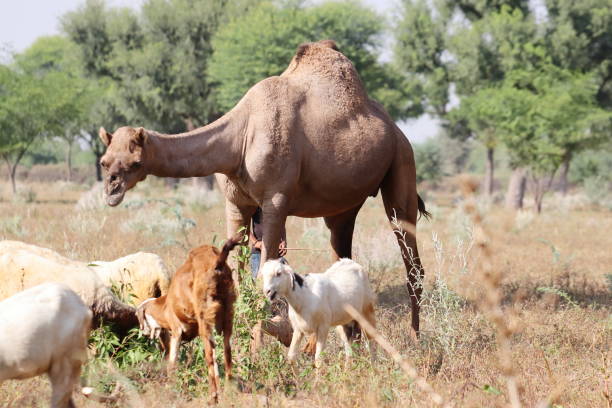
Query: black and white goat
[[316, 301]]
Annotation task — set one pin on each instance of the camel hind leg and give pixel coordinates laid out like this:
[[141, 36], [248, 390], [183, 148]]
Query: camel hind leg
[[401, 203]]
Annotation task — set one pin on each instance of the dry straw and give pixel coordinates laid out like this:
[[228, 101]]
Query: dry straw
[[490, 304], [403, 363]]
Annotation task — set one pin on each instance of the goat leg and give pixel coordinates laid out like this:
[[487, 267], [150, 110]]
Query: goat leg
[[213, 371], [227, 353]]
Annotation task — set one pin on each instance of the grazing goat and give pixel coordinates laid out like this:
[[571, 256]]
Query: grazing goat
[[23, 266], [316, 301], [201, 296], [44, 329]]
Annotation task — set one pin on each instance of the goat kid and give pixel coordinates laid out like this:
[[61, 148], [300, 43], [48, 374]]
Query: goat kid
[[316, 301], [201, 296]]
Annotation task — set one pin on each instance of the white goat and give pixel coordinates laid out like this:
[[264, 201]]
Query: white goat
[[316, 301], [44, 329]]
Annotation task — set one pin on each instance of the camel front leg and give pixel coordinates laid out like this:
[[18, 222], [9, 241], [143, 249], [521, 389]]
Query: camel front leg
[[237, 218], [341, 227], [274, 216]]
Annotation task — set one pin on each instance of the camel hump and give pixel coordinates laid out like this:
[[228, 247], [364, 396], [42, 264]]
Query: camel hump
[[313, 46], [326, 69]]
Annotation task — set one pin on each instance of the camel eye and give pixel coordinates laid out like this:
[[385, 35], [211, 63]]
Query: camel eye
[[135, 165]]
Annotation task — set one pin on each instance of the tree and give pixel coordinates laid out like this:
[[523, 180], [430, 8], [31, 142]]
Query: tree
[[30, 107], [540, 115], [566, 119], [445, 54], [429, 161], [579, 38], [57, 55], [261, 44], [91, 29], [151, 66]]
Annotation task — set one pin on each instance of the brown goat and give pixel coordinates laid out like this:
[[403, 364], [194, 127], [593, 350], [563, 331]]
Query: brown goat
[[201, 296]]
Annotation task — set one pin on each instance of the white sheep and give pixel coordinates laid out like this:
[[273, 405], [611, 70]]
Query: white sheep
[[316, 301], [145, 273], [44, 329], [23, 266]]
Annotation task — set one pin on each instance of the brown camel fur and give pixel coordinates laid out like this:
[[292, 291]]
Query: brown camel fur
[[308, 143], [201, 296]]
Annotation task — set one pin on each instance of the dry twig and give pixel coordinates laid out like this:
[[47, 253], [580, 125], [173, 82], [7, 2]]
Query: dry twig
[[490, 304], [405, 365]]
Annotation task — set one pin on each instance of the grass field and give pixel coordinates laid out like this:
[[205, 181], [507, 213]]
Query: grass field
[[556, 296]]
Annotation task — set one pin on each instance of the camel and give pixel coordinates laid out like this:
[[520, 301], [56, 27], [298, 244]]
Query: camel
[[307, 143]]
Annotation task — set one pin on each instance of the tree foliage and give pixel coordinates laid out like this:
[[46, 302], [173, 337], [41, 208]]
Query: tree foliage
[[38, 96], [261, 44], [541, 86]]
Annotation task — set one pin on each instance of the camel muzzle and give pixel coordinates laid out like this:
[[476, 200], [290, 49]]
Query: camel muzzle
[[114, 200], [114, 193]]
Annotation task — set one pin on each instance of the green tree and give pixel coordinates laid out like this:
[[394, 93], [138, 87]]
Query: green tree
[[150, 67], [57, 55], [540, 116], [261, 44], [31, 106], [579, 38], [429, 160], [94, 29]]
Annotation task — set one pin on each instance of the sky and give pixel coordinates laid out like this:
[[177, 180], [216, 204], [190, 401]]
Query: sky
[[22, 21]]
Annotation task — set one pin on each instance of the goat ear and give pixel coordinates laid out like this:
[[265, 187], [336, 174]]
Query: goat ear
[[292, 281], [283, 261]]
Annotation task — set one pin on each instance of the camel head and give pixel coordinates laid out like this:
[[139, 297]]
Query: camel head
[[123, 161]]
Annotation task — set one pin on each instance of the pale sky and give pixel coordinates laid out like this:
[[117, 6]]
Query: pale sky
[[22, 21]]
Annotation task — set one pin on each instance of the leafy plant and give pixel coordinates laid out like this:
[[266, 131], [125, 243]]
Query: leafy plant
[[558, 292]]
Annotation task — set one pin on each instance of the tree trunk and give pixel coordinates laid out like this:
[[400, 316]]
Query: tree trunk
[[564, 172], [13, 177], [69, 159], [98, 166], [11, 172], [489, 171], [516, 189], [541, 186]]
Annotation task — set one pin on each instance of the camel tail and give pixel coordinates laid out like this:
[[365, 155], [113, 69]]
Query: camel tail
[[422, 211], [229, 245]]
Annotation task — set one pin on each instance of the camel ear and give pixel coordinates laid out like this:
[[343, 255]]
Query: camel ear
[[141, 136], [138, 139], [105, 136]]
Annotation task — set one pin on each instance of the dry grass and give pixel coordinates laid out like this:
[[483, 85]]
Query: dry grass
[[552, 271]]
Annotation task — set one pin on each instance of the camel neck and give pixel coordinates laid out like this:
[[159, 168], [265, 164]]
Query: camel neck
[[214, 148]]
